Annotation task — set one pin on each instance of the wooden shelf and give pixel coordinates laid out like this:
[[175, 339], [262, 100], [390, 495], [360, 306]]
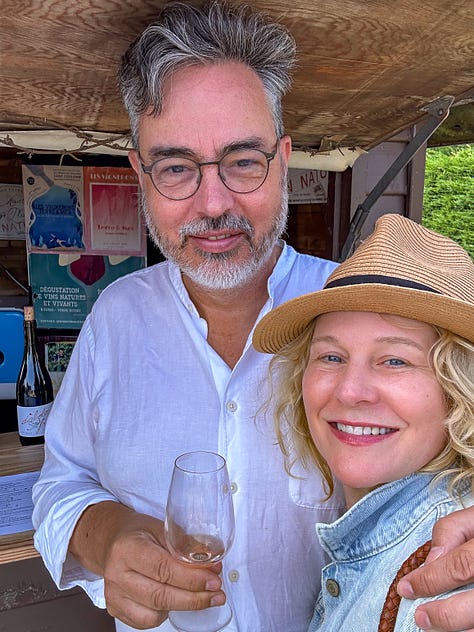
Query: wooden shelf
[[16, 459]]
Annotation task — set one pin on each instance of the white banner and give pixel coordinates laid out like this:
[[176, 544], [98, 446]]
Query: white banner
[[307, 186], [12, 215]]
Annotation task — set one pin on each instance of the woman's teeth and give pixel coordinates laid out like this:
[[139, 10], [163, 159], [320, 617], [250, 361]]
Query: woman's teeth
[[363, 430]]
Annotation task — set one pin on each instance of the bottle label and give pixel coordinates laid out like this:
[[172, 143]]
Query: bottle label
[[32, 419]]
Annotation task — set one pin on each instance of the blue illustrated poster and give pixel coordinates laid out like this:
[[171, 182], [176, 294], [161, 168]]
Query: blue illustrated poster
[[53, 203]]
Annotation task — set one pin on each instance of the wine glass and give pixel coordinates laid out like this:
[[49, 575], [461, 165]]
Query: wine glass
[[199, 527]]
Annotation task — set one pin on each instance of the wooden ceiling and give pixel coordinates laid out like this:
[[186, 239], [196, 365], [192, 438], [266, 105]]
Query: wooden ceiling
[[366, 68]]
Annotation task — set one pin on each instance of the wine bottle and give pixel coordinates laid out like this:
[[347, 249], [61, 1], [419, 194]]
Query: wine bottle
[[34, 389]]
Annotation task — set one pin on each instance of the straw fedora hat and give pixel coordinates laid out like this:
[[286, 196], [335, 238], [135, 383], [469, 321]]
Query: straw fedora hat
[[402, 268]]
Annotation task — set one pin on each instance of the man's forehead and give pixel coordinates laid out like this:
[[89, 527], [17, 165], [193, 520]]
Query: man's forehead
[[160, 150], [206, 109], [229, 84]]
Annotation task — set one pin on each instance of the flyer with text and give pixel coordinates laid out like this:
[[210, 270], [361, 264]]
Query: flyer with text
[[54, 208], [12, 215], [307, 186], [114, 222], [65, 287]]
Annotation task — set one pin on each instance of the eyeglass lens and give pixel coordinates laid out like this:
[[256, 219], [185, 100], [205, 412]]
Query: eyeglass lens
[[242, 171]]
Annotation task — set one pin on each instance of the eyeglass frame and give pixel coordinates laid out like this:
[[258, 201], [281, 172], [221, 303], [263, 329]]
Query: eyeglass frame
[[268, 155]]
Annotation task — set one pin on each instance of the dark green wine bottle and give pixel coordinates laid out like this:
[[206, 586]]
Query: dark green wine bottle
[[34, 389]]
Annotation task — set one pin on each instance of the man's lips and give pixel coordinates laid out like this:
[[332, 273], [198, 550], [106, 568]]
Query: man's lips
[[216, 242], [217, 237]]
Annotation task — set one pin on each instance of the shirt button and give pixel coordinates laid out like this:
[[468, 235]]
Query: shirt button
[[231, 406], [234, 576], [233, 487], [333, 587]]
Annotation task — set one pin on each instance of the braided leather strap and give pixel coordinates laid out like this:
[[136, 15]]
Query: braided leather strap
[[392, 600]]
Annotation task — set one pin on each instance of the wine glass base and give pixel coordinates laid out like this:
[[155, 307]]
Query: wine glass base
[[208, 620]]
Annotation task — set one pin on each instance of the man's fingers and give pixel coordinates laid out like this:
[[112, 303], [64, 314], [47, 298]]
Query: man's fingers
[[143, 581], [133, 614], [141, 553], [146, 605], [450, 565], [453, 530], [453, 614], [157, 564], [453, 570]]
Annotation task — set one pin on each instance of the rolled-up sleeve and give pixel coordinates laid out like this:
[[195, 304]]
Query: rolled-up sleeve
[[68, 481]]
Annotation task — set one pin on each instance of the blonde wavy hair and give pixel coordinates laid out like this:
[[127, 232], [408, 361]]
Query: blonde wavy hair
[[452, 359]]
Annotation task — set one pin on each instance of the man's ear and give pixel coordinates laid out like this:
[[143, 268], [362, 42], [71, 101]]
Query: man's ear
[[134, 159], [285, 148]]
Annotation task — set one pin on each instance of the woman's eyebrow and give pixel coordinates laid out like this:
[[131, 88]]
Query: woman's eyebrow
[[400, 340], [383, 339], [328, 338]]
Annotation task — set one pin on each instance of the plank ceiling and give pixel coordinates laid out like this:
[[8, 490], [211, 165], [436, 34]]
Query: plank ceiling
[[366, 67]]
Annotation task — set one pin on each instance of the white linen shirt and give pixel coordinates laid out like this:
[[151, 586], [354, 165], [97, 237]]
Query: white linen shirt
[[143, 386]]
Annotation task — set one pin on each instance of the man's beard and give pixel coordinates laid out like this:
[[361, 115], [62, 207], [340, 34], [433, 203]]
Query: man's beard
[[218, 271]]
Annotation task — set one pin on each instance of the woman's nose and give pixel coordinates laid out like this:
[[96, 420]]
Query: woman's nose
[[356, 385]]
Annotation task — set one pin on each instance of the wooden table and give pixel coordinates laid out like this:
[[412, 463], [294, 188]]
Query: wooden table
[[16, 459]]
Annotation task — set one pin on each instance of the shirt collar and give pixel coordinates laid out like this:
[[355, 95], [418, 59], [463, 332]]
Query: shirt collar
[[279, 273], [378, 520]]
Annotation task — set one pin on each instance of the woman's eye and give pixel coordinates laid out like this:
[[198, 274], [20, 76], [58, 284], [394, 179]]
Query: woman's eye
[[332, 358], [395, 362]]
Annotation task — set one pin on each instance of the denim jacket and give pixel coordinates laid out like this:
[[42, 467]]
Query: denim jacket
[[367, 546]]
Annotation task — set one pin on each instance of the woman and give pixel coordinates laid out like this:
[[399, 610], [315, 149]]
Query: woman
[[377, 389]]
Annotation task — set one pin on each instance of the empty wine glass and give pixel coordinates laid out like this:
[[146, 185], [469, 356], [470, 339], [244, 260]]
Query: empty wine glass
[[199, 527]]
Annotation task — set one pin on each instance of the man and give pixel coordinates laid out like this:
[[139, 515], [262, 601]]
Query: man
[[164, 363]]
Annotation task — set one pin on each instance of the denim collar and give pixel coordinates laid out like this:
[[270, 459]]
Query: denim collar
[[398, 506]]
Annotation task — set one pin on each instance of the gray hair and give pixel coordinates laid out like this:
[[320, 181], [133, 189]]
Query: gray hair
[[186, 35]]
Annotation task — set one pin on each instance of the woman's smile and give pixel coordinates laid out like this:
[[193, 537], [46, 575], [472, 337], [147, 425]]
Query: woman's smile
[[374, 407]]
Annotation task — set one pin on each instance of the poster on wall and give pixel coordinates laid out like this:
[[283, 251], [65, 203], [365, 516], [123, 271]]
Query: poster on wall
[[307, 186], [57, 352], [111, 199], [12, 215], [84, 230], [65, 287], [86, 209], [54, 215]]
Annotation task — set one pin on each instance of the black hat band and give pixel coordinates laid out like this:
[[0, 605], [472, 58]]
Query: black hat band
[[379, 278]]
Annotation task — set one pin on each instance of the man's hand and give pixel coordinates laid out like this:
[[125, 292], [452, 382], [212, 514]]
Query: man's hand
[[449, 565], [142, 580]]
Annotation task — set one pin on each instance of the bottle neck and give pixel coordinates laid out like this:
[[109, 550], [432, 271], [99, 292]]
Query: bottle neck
[[30, 334], [30, 329]]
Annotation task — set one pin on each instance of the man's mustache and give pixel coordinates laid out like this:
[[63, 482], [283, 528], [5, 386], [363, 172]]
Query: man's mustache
[[225, 222]]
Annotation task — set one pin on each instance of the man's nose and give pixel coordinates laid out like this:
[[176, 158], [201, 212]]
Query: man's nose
[[213, 197]]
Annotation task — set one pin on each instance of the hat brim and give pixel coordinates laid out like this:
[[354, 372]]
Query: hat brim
[[287, 321]]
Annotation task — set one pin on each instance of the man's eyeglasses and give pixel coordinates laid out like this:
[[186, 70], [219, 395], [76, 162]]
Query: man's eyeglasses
[[241, 171]]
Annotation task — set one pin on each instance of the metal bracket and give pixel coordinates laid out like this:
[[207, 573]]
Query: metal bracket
[[437, 110]]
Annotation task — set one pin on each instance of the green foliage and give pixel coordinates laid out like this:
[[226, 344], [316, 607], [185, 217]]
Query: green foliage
[[448, 204]]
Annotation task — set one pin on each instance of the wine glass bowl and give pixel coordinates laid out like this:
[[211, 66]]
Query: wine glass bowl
[[199, 527], [198, 549]]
